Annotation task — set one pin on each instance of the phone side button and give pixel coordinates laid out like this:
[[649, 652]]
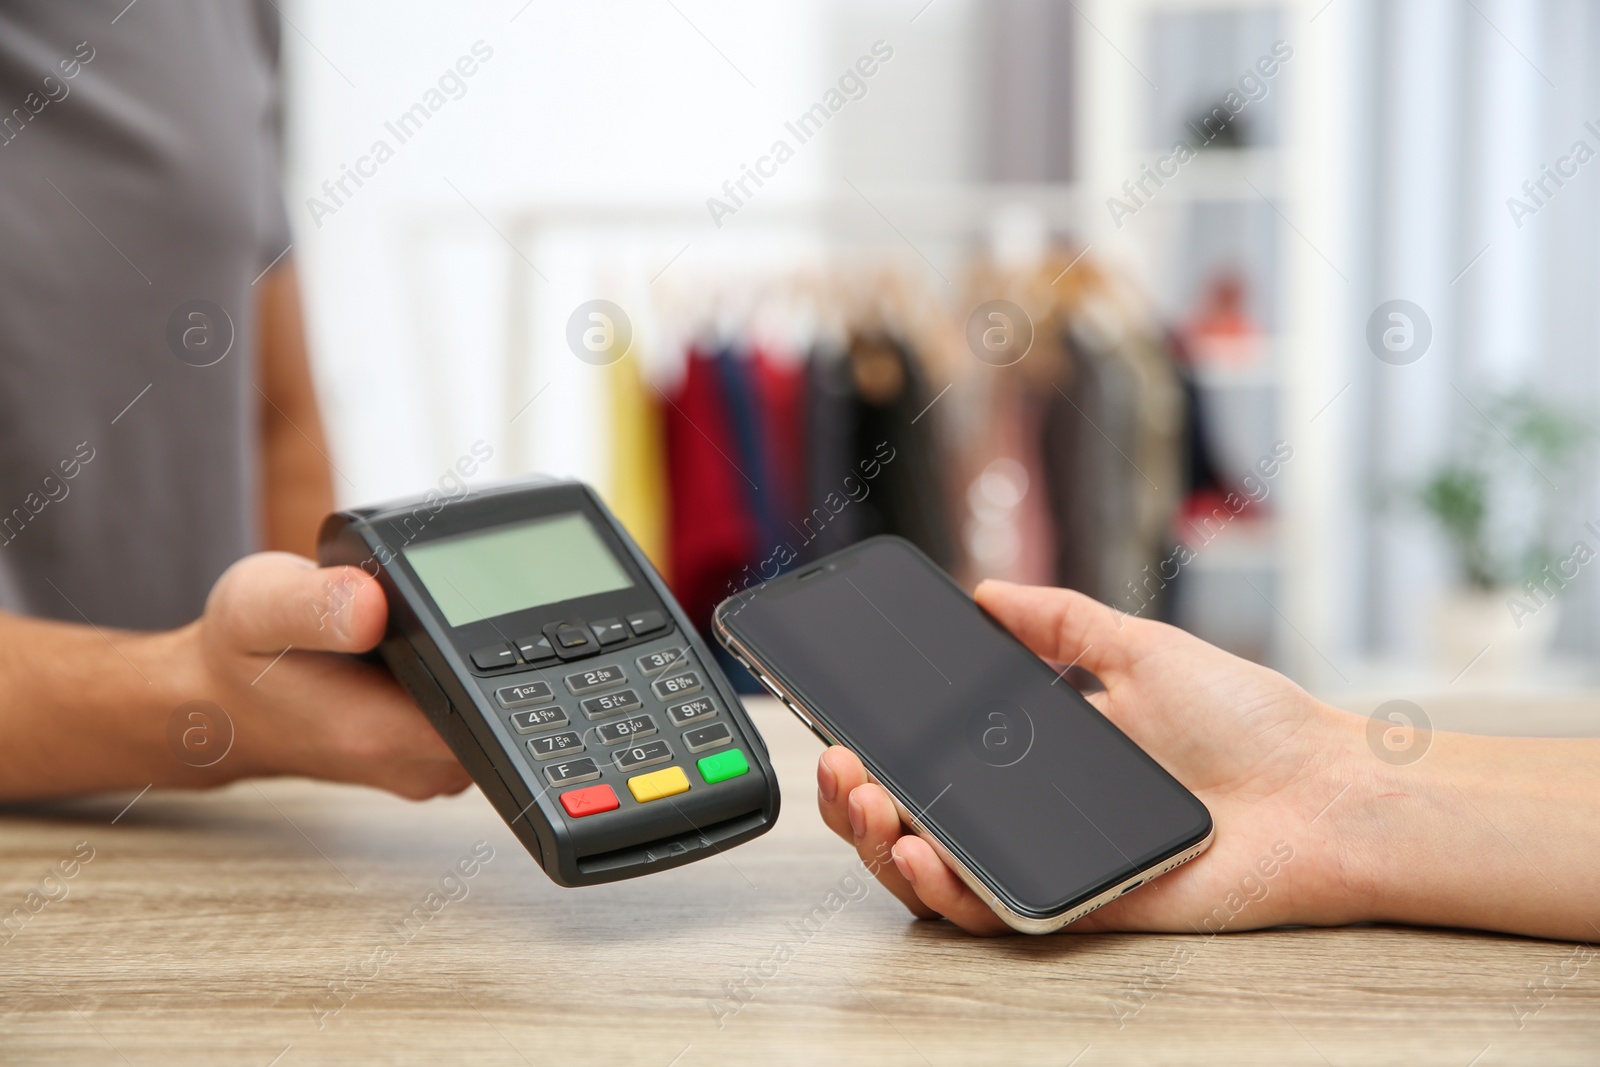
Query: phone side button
[[791, 705], [811, 724]]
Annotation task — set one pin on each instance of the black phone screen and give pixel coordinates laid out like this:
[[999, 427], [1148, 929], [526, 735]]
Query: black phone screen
[[1013, 768]]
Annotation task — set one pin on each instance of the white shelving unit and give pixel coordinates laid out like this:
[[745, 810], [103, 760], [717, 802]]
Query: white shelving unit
[[1298, 187]]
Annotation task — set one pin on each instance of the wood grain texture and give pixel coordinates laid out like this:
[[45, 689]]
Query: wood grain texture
[[208, 928]]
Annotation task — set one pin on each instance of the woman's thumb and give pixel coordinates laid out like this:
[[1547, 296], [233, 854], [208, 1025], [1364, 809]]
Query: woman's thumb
[[1062, 625]]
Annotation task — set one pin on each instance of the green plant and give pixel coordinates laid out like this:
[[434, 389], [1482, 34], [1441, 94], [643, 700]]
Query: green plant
[[1494, 500]]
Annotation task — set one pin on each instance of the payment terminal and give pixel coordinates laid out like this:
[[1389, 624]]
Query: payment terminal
[[548, 653]]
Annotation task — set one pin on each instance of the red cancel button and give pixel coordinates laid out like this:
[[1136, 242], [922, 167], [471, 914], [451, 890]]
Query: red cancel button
[[590, 801]]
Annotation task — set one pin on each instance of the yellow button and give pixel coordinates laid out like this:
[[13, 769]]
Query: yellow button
[[658, 784]]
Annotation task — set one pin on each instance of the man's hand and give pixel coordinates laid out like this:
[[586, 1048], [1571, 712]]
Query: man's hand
[[85, 709], [1262, 755], [304, 711]]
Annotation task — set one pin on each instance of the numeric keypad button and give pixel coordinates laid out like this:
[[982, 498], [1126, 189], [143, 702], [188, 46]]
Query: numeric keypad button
[[524, 695], [611, 703], [677, 686], [535, 719], [653, 663], [624, 730], [595, 679], [702, 738], [692, 711], [552, 745], [646, 755], [572, 771]]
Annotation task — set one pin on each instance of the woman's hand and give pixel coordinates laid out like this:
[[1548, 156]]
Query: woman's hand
[[1268, 760]]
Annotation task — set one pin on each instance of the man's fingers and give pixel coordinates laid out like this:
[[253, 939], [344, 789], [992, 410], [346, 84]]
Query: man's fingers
[[424, 780], [939, 889], [273, 600], [1066, 626]]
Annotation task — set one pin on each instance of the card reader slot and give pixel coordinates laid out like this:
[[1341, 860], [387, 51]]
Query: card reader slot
[[672, 850]]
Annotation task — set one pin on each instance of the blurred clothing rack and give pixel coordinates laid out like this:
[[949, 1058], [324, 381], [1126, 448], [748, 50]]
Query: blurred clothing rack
[[1012, 223]]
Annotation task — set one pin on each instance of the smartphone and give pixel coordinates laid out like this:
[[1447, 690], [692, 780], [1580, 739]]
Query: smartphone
[[1035, 799]]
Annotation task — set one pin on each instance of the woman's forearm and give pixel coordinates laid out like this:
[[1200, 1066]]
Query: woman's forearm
[[1486, 832]]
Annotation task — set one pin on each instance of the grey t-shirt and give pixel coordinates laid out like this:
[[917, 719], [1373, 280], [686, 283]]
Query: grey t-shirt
[[138, 175]]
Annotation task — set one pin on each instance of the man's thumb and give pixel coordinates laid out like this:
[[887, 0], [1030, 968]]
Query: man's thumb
[[273, 600]]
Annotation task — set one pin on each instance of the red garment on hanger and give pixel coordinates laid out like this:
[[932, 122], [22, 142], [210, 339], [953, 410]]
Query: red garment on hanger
[[711, 533]]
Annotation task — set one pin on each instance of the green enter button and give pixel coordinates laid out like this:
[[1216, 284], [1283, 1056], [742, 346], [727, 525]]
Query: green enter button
[[724, 765]]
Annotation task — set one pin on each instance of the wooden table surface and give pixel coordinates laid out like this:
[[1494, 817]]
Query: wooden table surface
[[213, 928]]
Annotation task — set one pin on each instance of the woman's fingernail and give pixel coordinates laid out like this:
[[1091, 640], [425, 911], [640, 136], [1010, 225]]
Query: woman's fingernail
[[858, 818], [827, 782], [903, 867]]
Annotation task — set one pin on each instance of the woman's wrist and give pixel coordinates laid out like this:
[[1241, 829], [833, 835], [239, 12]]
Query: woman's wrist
[[1461, 830], [1344, 854], [1390, 821]]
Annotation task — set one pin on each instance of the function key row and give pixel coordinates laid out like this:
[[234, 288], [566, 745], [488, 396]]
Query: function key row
[[567, 640], [657, 785]]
